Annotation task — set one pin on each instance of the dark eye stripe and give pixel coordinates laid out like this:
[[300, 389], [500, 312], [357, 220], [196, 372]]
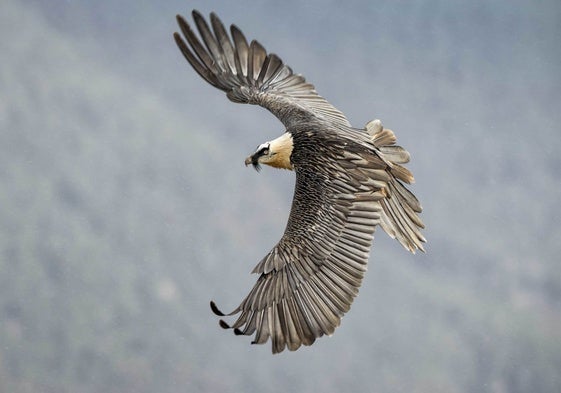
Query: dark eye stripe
[[264, 150]]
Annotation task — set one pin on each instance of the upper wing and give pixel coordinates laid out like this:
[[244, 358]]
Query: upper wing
[[310, 278], [249, 75]]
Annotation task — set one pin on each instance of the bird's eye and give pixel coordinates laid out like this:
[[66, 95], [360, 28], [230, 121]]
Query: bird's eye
[[264, 150]]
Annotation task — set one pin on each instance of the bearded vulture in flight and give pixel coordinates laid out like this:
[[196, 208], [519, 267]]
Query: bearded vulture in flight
[[348, 181]]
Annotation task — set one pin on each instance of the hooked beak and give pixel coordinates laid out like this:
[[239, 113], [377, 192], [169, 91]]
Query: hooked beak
[[253, 160]]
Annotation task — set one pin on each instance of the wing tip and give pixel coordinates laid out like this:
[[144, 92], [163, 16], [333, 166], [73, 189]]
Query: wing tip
[[215, 309], [223, 324], [196, 14]]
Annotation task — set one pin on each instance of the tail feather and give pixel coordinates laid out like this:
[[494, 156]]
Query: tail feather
[[400, 219], [395, 154]]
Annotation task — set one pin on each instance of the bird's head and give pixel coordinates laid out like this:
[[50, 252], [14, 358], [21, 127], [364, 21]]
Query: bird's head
[[275, 153]]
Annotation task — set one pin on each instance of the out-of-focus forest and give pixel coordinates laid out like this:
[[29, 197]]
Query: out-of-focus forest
[[125, 205]]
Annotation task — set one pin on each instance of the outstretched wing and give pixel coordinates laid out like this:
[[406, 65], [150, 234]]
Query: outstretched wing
[[310, 278], [248, 74]]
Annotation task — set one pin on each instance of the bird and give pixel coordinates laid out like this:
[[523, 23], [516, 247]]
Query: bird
[[348, 181]]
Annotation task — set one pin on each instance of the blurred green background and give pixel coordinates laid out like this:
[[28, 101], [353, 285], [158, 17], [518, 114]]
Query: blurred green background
[[125, 205]]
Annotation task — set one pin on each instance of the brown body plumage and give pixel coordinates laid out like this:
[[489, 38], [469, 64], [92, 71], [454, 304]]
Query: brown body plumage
[[348, 181]]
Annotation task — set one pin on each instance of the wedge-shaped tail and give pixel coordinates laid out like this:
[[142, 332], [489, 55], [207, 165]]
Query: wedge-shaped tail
[[400, 219]]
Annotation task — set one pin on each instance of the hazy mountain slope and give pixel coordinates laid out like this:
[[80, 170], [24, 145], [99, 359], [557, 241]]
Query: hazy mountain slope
[[125, 206]]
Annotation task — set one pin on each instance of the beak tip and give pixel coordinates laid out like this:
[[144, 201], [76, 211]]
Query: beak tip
[[251, 161]]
